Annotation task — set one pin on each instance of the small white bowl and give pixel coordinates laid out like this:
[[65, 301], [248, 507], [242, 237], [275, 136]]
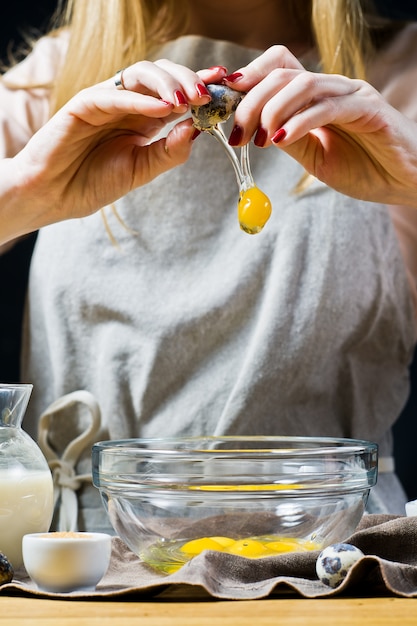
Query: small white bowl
[[411, 508], [62, 562]]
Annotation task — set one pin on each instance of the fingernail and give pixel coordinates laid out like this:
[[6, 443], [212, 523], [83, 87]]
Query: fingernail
[[235, 136], [233, 78], [279, 135], [260, 137], [218, 68], [195, 134], [202, 90], [180, 98]]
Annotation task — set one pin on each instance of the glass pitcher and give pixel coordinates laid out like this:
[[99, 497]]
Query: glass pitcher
[[26, 488]]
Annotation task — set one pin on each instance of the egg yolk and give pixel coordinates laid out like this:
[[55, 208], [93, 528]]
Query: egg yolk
[[169, 557], [254, 210], [251, 548], [260, 487], [195, 546]]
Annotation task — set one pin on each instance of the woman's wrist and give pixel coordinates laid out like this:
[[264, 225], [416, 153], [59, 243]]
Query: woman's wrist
[[21, 210]]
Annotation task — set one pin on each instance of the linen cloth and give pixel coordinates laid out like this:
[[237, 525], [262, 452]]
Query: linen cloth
[[389, 567]]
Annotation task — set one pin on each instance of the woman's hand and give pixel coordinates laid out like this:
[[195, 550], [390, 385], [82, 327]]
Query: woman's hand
[[100, 146], [341, 130]]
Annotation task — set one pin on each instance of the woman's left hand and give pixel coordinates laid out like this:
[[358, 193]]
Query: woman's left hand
[[341, 130]]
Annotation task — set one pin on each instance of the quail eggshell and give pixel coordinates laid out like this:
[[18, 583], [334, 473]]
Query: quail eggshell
[[223, 103], [335, 561]]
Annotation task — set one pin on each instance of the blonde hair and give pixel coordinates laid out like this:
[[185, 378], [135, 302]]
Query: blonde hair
[[118, 32], [342, 36]]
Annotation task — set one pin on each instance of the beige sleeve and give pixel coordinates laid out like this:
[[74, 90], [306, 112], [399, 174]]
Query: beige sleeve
[[24, 106], [395, 75]]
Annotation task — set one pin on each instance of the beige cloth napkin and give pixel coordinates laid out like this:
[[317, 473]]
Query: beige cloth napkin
[[389, 567]]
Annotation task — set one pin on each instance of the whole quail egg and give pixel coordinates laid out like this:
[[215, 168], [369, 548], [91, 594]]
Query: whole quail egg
[[6, 570], [334, 562]]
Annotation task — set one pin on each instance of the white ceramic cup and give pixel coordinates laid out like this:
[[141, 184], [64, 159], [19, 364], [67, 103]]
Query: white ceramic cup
[[64, 562]]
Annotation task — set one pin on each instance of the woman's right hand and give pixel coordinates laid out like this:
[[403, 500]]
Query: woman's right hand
[[101, 145]]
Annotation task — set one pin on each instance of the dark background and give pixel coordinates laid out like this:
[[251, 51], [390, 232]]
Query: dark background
[[397, 9], [23, 16]]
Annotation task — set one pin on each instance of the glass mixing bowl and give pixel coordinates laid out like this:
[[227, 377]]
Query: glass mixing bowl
[[170, 499]]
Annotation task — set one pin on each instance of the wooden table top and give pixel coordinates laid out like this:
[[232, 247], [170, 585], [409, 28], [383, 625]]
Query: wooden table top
[[23, 611]]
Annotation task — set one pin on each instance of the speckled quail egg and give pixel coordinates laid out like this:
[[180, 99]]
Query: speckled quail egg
[[223, 103], [6, 570], [334, 562]]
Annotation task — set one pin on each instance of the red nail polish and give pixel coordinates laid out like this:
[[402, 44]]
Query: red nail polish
[[260, 137], [279, 135], [195, 134], [233, 78], [180, 98], [202, 90], [235, 135]]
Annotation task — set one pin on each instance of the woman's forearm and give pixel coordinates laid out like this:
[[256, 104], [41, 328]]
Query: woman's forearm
[[20, 212]]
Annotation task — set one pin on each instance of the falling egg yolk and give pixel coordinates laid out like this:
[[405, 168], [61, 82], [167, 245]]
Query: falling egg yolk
[[254, 210]]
